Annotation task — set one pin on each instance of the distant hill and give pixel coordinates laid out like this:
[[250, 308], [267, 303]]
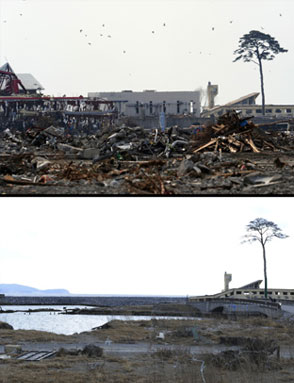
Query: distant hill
[[14, 289]]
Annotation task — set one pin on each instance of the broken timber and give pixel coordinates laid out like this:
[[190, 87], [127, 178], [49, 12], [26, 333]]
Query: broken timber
[[233, 134]]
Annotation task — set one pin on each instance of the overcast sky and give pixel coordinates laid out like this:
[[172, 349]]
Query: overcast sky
[[43, 37], [150, 246]]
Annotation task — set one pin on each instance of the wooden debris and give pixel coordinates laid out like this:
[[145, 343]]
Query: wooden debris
[[233, 134], [36, 355], [214, 140]]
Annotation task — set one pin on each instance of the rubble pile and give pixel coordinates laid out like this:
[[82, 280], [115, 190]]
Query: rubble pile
[[231, 156], [234, 134]]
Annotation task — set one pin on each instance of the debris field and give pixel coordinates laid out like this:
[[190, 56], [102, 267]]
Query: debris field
[[232, 156]]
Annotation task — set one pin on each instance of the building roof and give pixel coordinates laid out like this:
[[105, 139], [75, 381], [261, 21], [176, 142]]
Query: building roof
[[241, 99], [231, 103], [252, 285], [29, 81]]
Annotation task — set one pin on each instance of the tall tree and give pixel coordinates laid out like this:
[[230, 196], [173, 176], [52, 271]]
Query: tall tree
[[263, 231], [256, 46]]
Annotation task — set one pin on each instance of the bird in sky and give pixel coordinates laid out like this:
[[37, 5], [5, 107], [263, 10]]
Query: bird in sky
[[231, 21], [86, 35], [89, 44], [164, 24], [5, 21], [101, 34], [153, 32], [262, 28], [280, 14], [20, 14], [103, 25], [124, 51], [109, 36], [212, 28], [81, 30]]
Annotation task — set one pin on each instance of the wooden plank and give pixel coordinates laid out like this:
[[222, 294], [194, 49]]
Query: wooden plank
[[234, 141], [270, 145], [31, 356], [232, 149], [218, 128], [211, 142], [250, 142]]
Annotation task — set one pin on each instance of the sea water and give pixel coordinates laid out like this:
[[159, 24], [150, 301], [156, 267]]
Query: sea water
[[58, 323]]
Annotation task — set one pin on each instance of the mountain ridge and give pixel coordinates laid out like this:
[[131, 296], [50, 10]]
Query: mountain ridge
[[16, 289]]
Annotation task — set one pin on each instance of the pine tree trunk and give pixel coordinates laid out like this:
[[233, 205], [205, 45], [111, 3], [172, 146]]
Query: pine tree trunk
[[265, 274], [262, 87]]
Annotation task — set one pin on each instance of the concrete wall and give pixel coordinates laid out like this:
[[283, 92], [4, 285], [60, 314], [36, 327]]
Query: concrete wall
[[277, 111], [236, 306], [87, 300], [229, 306], [150, 103], [151, 122]]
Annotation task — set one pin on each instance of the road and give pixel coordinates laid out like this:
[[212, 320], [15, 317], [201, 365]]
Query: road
[[124, 349]]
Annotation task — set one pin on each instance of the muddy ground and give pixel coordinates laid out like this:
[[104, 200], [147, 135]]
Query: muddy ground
[[243, 350]]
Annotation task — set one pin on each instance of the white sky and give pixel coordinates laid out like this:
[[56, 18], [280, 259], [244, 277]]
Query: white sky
[[46, 41], [150, 246]]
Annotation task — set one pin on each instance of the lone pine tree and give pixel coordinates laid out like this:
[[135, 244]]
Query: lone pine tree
[[256, 46], [263, 231]]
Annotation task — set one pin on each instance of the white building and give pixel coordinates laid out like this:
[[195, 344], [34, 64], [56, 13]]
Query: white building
[[248, 107], [151, 102]]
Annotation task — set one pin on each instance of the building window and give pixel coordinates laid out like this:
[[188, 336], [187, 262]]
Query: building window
[[268, 111], [278, 111], [249, 111], [164, 107], [178, 106], [150, 107], [258, 111], [191, 106], [137, 107], [285, 293], [288, 110]]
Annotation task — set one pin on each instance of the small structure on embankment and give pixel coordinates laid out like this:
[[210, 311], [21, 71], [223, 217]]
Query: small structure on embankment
[[249, 291], [245, 300]]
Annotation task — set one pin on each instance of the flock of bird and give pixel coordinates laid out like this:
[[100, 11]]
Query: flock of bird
[[109, 36], [152, 32]]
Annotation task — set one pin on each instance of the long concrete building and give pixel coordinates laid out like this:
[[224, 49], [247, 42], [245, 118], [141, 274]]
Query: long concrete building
[[247, 106], [250, 291], [152, 102]]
